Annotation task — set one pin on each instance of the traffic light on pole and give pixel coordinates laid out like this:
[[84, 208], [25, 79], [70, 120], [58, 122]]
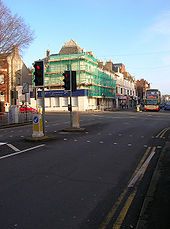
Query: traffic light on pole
[[66, 80], [73, 77], [39, 73]]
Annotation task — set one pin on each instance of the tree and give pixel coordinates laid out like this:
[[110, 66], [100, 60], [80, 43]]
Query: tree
[[13, 31]]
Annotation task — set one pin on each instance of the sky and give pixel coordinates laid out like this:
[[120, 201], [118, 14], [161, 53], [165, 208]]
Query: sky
[[135, 33]]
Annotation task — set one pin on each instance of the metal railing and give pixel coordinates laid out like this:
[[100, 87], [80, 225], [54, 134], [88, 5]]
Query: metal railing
[[23, 117]]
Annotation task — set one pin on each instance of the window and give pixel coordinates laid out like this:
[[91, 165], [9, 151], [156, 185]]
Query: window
[[65, 102], [1, 79], [75, 101], [56, 102], [2, 96], [18, 81], [68, 66], [125, 92], [47, 102], [121, 91]]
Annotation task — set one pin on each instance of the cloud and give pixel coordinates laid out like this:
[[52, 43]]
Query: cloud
[[158, 32]]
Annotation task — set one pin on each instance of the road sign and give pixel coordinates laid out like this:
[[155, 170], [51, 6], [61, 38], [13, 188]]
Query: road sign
[[35, 120], [25, 88]]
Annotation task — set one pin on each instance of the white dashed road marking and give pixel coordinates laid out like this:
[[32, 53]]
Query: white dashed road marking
[[13, 147], [22, 151], [2, 143]]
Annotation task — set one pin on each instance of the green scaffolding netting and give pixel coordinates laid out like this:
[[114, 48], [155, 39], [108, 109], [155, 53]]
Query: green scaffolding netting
[[88, 76]]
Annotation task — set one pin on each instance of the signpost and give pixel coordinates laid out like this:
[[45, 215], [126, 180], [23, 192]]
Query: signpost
[[25, 90]]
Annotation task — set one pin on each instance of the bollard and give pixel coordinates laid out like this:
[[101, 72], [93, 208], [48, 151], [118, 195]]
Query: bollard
[[138, 108], [37, 126]]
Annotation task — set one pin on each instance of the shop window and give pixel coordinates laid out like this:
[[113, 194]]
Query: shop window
[[47, 102], [65, 102], [56, 102], [75, 101]]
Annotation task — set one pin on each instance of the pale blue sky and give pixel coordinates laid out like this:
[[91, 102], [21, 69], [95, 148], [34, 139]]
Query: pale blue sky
[[135, 33]]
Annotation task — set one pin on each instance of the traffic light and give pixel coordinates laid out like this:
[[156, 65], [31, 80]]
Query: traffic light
[[73, 77], [39, 73], [66, 80]]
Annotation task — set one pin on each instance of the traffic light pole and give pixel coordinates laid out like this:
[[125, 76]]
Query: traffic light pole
[[71, 115], [43, 110]]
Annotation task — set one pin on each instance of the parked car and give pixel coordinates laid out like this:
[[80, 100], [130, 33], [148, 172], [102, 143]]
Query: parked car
[[167, 106], [27, 108]]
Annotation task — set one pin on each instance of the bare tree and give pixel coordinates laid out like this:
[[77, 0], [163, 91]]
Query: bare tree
[[13, 31]]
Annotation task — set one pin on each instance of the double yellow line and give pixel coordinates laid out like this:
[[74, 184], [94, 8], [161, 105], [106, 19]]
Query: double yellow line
[[124, 210], [137, 176], [162, 133]]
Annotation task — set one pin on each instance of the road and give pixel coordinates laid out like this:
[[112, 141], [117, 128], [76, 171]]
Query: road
[[93, 179]]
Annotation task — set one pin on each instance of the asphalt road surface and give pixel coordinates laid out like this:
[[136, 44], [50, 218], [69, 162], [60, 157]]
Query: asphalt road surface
[[94, 179]]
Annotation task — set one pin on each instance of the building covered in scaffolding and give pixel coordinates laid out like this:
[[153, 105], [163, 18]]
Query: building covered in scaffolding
[[96, 87]]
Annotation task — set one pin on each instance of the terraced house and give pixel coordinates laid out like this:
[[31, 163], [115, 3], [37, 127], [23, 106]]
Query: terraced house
[[96, 87], [99, 86]]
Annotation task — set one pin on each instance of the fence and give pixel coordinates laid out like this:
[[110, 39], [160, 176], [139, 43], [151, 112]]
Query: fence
[[23, 117]]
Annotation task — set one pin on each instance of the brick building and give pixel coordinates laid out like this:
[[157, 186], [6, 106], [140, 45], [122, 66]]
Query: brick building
[[13, 73], [142, 85]]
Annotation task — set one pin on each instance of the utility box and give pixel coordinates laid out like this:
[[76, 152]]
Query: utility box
[[13, 115]]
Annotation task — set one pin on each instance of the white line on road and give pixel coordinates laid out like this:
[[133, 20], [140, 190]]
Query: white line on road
[[2, 143], [13, 147], [136, 177], [22, 151]]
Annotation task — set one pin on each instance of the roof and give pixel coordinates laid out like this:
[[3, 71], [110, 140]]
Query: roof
[[70, 47], [3, 56]]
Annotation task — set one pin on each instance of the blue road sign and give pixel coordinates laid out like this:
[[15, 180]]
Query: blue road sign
[[35, 119]]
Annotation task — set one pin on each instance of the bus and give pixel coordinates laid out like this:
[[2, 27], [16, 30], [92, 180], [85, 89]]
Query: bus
[[152, 100]]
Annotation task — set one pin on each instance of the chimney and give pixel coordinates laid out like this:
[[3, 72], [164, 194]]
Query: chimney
[[109, 65], [100, 64], [48, 52]]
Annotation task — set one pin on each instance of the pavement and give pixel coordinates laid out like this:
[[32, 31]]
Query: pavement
[[155, 212]]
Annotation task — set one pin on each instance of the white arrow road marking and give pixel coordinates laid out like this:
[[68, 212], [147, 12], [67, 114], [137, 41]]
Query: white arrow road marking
[[22, 151]]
